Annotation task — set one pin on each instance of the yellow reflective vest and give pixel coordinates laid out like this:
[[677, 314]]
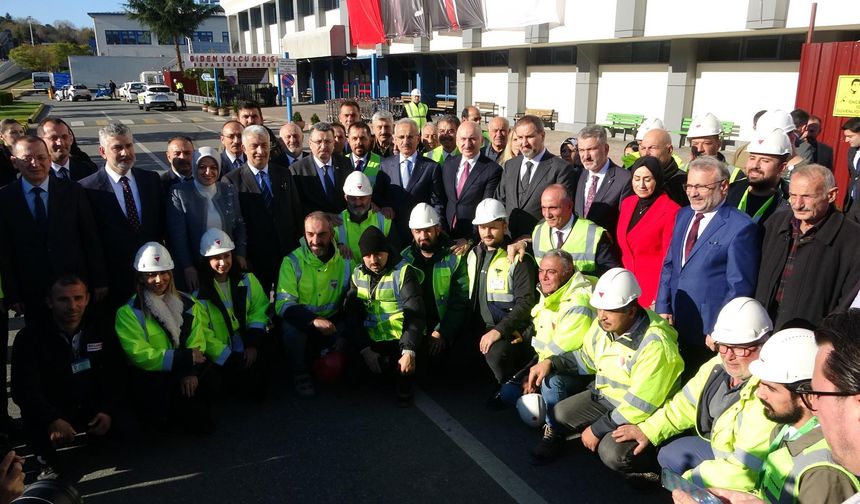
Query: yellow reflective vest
[[500, 281], [383, 305], [349, 232], [563, 318], [739, 437], [417, 112], [449, 281], [304, 280], [225, 339], [438, 154], [581, 243], [371, 169], [628, 159]]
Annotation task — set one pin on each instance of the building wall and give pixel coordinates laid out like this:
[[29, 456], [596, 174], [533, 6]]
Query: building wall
[[552, 87], [490, 84], [633, 89], [102, 23]]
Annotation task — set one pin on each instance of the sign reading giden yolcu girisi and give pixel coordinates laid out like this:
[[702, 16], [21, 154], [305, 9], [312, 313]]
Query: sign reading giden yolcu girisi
[[229, 60]]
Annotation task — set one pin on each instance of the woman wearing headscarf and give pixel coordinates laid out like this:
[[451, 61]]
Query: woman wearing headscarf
[[197, 205], [645, 226]]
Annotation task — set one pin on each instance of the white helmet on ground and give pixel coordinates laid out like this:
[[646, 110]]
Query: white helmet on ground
[[423, 216], [742, 321], [647, 125], [615, 289], [357, 184], [775, 143], [705, 126], [532, 409], [215, 241], [488, 211], [152, 257], [787, 357]]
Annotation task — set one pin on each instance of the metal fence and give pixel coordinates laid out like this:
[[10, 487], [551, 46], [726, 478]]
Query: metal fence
[[368, 107]]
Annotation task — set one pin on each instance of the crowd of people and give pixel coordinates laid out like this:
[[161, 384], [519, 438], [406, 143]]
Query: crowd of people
[[688, 315]]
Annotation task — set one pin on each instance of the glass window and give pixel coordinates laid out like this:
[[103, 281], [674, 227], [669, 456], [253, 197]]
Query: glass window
[[331, 4], [203, 36], [225, 37], [306, 7], [128, 37]]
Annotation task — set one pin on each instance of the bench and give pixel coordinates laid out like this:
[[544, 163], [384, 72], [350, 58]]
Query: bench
[[488, 110], [547, 116], [625, 123], [730, 133], [444, 107]]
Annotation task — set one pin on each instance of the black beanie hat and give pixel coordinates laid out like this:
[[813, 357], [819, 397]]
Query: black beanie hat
[[372, 240]]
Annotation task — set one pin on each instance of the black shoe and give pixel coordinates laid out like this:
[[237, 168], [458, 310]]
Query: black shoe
[[304, 386], [46, 471], [548, 448], [405, 393]]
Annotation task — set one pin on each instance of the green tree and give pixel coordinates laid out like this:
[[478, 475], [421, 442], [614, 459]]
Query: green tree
[[37, 58], [62, 51], [170, 19]]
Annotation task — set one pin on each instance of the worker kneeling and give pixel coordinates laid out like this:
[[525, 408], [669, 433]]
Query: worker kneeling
[[730, 442], [237, 309], [386, 290], [633, 354], [163, 333]]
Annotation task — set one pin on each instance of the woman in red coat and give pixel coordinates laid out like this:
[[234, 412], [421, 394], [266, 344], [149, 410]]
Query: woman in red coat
[[645, 226]]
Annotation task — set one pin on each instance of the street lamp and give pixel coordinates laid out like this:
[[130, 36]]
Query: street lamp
[[30, 22]]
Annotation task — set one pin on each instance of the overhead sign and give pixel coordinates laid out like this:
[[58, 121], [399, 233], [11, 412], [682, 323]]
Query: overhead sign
[[846, 103], [206, 77], [287, 66], [229, 60]]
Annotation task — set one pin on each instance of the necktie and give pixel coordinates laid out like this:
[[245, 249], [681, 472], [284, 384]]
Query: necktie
[[329, 185], [265, 188], [237, 163], [463, 177], [589, 199], [39, 211], [64, 173], [406, 174], [359, 165], [693, 235], [130, 206], [527, 178], [560, 241]]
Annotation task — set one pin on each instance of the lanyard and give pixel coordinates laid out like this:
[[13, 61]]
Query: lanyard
[[227, 297], [812, 423], [742, 206]]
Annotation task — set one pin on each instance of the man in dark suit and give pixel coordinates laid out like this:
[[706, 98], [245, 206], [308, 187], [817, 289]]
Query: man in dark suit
[[319, 177], [469, 179], [128, 207], [232, 157], [602, 187], [179, 154], [851, 132], [291, 140], [713, 258], [527, 175], [58, 137], [409, 178], [270, 206]]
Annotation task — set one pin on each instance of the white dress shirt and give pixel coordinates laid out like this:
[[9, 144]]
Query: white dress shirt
[[463, 162], [707, 217], [534, 162], [565, 231], [404, 172], [600, 176], [117, 190]]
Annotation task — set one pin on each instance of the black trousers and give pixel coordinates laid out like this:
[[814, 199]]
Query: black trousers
[[506, 359], [157, 397]]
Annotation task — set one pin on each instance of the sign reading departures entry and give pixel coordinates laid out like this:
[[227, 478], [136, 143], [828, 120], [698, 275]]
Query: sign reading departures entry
[[229, 60], [847, 100]]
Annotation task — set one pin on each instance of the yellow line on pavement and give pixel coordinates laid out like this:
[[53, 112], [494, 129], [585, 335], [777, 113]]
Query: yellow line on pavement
[[101, 122], [150, 121]]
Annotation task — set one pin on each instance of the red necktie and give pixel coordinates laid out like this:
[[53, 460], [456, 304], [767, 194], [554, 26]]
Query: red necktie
[[560, 241], [463, 177], [693, 235]]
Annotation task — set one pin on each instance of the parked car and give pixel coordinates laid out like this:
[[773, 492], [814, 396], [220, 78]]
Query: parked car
[[157, 96], [132, 90], [61, 93], [79, 92]]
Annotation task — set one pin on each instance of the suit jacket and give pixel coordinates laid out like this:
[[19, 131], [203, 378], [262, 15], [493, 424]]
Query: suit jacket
[[853, 180], [120, 241], [186, 221], [8, 172], [644, 246], [524, 212], [722, 266], [272, 232], [425, 186], [607, 202], [71, 243], [310, 186], [484, 177], [79, 170], [227, 165], [170, 179], [823, 154]]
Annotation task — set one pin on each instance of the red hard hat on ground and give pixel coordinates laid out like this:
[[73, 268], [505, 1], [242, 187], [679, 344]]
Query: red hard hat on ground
[[329, 367]]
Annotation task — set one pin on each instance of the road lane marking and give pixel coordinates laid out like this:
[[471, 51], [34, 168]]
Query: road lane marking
[[150, 121], [127, 122], [173, 120], [510, 482], [144, 484], [151, 155], [76, 123], [101, 122]]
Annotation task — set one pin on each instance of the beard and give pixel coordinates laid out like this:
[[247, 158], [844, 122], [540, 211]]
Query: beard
[[790, 417]]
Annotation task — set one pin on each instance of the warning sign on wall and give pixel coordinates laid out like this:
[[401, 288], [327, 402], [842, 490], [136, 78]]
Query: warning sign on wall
[[847, 100]]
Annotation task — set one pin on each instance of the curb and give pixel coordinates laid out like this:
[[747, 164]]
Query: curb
[[34, 117]]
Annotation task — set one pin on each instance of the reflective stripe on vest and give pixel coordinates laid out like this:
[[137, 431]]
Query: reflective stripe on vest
[[384, 320], [323, 309], [350, 239], [581, 243]]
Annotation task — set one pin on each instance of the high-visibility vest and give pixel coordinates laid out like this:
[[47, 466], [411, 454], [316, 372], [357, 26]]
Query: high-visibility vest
[[739, 436], [438, 154], [782, 472], [563, 318], [500, 281], [371, 169], [417, 112], [635, 373], [349, 232], [443, 274], [628, 159], [305, 280], [223, 339], [384, 306], [581, 243], [147, 344]]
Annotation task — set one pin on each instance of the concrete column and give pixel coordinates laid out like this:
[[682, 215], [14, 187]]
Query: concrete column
[[253, 31], [517, 70], [238, 34], [766, 14], [630, 18], [472, 38], [299, 17], [464, 80], [267, 38], [319, 13], [587, 76], [681, 84]]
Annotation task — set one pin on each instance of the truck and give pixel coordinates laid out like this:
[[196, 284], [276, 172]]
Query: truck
[[151, 77]]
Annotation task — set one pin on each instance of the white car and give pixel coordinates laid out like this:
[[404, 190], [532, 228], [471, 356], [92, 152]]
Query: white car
[[79, 92], [61, 92], [156, 96], [131, 90]]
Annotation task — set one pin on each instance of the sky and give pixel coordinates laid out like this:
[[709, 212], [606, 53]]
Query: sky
[[48, 11]]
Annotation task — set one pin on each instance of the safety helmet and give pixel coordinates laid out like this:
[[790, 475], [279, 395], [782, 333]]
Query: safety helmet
[[203, 152], [423, 216], [775, 119], [329, 367], [775, 143], [617, 288], [704, 126], [357, 184], [532, 409], [742, 321], [214, 242], [647, 125], [153, 257], [415, 92], [488, 211], [787, 357]]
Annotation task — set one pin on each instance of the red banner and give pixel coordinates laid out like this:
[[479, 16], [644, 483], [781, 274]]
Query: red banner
[[365, 23]]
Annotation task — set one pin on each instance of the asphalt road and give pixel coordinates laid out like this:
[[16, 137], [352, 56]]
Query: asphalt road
[[351, 443]]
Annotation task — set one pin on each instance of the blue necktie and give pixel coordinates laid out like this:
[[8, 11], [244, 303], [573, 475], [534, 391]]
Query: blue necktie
[[329, 185], [40, 213], [64, 173], [265, 188]]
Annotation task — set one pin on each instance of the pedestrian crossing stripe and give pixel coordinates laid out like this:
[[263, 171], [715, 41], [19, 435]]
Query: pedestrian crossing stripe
[[77, 123], [101, 122], [127, 122], [150, 121]]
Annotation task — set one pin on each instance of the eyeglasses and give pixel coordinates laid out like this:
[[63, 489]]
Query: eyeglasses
[[323, 142], [737, 351], [806, 393], [701, 187]]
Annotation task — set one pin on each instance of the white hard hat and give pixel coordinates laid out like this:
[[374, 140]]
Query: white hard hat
[[705, 126], [787, 357], [415, 92], [742, 321], [203, 152], [775, 119], [214, 242], [647, 125], [488, 211], [775, 143], [357, 184], [152, 257], [423, 216], [617, 288], [532, 409]]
